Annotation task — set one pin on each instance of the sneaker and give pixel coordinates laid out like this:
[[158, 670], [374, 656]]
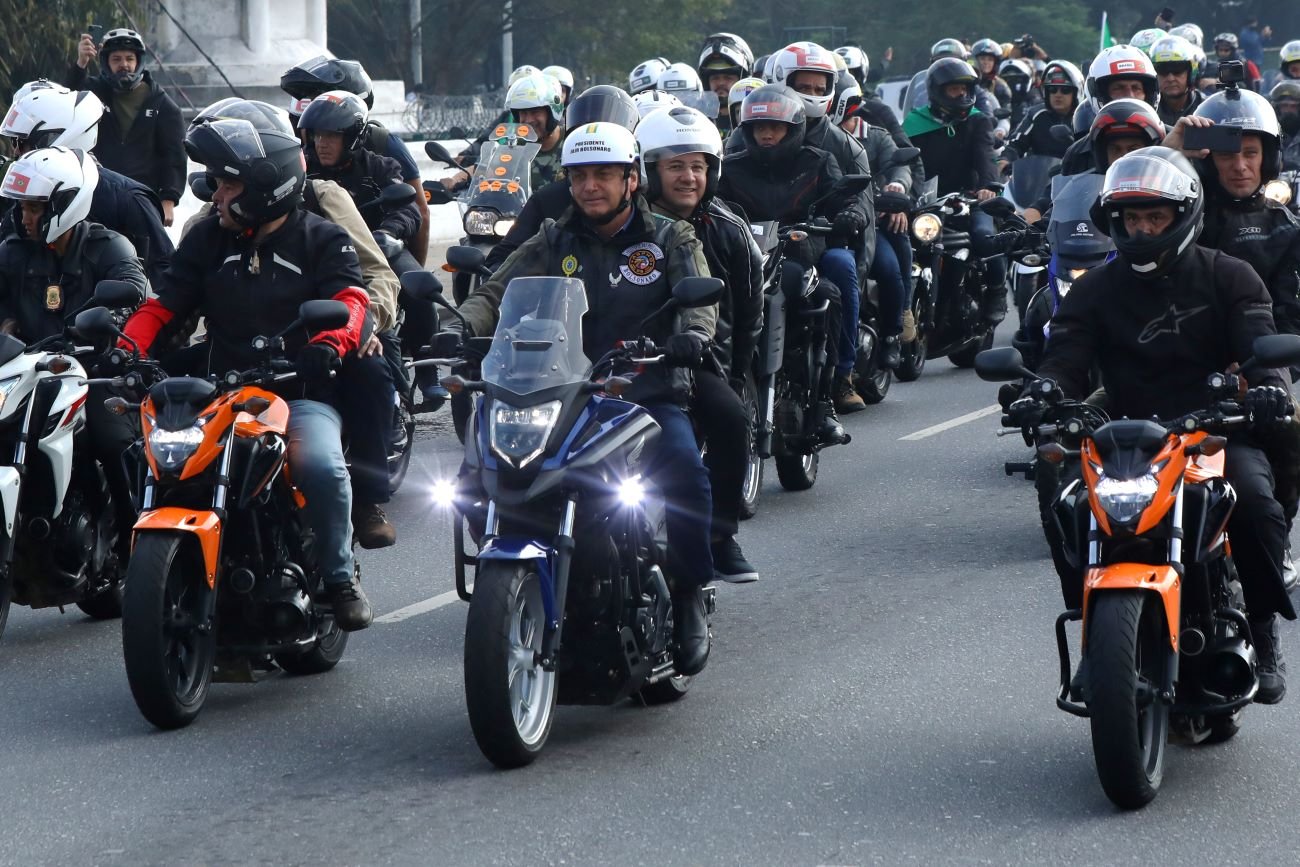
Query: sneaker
[[351, 607], [371, 528], [909, 327], [1290, 577], [891, 355], [729, 563], [1270, 666], [830, 432], [847, 399]]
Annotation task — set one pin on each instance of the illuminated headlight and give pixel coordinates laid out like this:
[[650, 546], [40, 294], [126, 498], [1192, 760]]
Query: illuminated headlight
[[501, 228], [631, 492], [479, 221], [1278, 191], [7, 387], [519, 433], [1124, 499], [926, 228], [172, 448]]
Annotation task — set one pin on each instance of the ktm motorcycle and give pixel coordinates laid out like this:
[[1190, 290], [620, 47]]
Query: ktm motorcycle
[[222, 582], [1167, 647]]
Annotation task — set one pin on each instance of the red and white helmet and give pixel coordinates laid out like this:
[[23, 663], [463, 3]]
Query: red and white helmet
[[51, 116], [806, 57], [1121, 61], [63, 178]]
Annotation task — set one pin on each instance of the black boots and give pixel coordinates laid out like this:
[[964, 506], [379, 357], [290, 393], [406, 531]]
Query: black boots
[[691, 627]]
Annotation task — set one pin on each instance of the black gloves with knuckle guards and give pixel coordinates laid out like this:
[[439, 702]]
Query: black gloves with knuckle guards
[[316, 361], [1267, 404], [685, 349], [849, 222]]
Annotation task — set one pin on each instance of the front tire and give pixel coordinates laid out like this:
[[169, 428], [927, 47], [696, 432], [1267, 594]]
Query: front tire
[[753, 483], [1128, 651], [509, 696], [168, 648], [399, 456], [6, 597]]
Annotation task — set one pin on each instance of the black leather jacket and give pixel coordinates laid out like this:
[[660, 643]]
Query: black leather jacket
[[364, 177], [1267, 236], [853, 160]]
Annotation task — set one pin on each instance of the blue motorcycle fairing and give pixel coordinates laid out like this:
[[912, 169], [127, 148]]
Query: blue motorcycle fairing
[[536, 550]]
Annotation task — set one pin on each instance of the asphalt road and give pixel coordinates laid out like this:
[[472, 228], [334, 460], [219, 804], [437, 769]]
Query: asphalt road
[[883, 695]]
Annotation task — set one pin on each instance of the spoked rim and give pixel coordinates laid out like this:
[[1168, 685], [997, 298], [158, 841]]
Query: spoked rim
[[183, 643], [754, 466], [531, 687]]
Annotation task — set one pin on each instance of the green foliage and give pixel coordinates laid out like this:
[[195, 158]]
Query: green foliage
[[39, 37]]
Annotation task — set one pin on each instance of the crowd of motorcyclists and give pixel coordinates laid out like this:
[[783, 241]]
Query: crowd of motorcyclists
[[633, 189]]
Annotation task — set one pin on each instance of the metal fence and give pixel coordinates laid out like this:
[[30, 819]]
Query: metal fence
[[437, 116]]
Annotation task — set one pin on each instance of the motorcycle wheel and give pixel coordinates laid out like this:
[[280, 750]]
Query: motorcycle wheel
[[797, 472], [667, 691], [965, 357], [6, 596], [399, 456], [168, 657], [753, 483], [104, 606], [1225, 728], [509, 696], [1127, 656], [323, 655]]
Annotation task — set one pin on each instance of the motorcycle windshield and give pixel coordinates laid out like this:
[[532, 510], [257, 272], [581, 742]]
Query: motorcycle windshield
[[538, 341], [1071, 233], [1029, 178], [503, 178]]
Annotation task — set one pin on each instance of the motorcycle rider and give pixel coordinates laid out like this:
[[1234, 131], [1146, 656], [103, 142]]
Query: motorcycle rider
[[1022, 86], [645, 76], [141, 132], [681, 159], [564, 77], [1289, 61], [724, 60], [918, 92], [610, 230], [247, 269], [956, 142], [741, 89], [777, 176], [311, 78], [534, 101], [1227, 47], [49, 274], [1157, 320], [1285, 99], [1062, 84], [1177, 64], [55, 116], [810, 71], [1118, 72], [988, 56]]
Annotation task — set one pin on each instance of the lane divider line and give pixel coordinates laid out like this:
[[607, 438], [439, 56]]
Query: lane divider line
[[427, 605], [951, 423]]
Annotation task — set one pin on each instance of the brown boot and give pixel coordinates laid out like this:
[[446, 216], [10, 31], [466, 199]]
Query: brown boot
[[371, 527], [909, 327], [847, 399]]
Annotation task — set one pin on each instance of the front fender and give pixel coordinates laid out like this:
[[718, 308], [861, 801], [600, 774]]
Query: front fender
[[508, 549], [204, 525], [1163, 580], [10, 484]]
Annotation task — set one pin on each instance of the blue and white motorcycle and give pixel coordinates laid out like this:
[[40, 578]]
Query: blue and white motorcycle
[[571, 599]]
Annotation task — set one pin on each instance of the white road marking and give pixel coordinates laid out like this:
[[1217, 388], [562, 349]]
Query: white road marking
[[951, 423], [432, 604]]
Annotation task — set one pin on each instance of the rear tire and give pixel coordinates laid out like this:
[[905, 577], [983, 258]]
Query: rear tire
[[872, 381], [104, 606], [667, 691], [753, 483], [510, 698], [965, 357], [1128, 648], [6, 597], [323, 656], [1225, 728], [797, 472], [168, 653], [399, 456]]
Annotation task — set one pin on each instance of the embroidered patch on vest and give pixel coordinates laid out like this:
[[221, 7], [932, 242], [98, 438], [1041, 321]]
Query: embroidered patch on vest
[[642, 266]]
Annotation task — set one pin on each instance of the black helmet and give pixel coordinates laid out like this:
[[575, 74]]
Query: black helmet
[[948, 48], [269, 163], [1151, 176], [725, 53], [1123, 117], [1084, 115], [122, 39], [773, 102], [946, 71], [1288, 121], [604, 102], [337, 111], [1255, 116], [311, 78], [262, 115]]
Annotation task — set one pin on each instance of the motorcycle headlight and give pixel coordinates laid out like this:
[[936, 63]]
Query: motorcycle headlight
[[501, 228], [7, 387], [480, 221], [1124, 499], [172, 448], [519, 433], [1278, 191], [926, 228]]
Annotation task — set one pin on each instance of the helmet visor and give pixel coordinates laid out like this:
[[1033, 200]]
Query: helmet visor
[[1139, 177], [223, 146], [596, 107], [24, 185], [759, 106]]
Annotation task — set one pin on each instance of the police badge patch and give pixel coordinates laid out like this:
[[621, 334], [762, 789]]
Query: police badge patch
[[54, 297], [642, 266], [569, 265]]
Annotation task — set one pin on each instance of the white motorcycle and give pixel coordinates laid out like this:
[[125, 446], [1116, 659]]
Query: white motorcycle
[[58, 522]]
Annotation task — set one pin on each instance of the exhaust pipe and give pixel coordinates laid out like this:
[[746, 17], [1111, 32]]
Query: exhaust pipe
[[1191, 641], [38, 529], [242, 580], [1230, 668]]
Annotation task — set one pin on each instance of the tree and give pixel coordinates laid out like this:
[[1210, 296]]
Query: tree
[[39, 38]]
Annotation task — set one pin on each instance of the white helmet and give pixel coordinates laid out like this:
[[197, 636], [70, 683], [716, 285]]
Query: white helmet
[[62, 177], [679, 78], [55, 116], [35, 85], [1191, 32], [653, 100], [521, 72], [1121, 61], [599, 144], [806, 57], [646, 75], [560, 74], [671, 132], [855, 61], [537, 91]]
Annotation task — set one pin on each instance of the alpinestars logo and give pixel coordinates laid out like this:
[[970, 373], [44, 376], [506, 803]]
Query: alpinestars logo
[[1169, 322]]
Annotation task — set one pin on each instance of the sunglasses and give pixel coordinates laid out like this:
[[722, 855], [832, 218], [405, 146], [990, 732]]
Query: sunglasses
[[1059, 89]]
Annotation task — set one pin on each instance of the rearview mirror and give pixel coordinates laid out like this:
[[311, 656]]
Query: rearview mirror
[[117, 293], [396, 195], [467, 259], [1276, 350], [95, 324], [421, 285], [446, 344], [1002, 113], [438, 153], [998, 207], [322, 315], [854, 183], [436, 194], [201, 186], [698, 291], [903, 156], [1062, 134], [1001, 365]]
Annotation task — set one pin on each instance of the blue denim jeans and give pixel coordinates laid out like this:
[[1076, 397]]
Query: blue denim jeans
[[679, 474], [840, 266], [982, 231], [892, 271], [317, 467]]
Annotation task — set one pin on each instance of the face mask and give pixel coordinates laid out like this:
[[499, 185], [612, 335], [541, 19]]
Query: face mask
[[124, 81], [1289, 122]]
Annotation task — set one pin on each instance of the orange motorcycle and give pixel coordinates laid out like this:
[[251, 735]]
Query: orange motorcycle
[[1166, 644], [222, 580]]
